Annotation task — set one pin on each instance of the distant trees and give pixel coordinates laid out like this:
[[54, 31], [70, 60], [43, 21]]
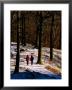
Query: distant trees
[[13, 26], [30, 26], [41, 19]]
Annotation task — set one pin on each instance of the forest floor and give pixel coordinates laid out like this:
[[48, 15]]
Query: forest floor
[[45, 70]]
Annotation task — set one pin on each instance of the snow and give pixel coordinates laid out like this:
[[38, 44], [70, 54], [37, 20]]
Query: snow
[[40, 69], [33, 75]]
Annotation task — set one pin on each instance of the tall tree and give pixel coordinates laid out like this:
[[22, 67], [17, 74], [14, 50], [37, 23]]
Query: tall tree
[[17, 55], [40, 36], [51, 37], [23, 30], [37, 29]]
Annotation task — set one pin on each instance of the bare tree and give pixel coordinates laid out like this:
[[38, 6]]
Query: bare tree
[[17, 55], [37, 29], [23, 30], [51, 37], [40, 37]]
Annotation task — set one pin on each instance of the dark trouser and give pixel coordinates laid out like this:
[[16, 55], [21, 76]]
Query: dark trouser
[[31, 62], [27, 62]]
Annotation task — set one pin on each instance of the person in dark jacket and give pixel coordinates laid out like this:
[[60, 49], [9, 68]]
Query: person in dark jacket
[[27, 59], [32, 58]]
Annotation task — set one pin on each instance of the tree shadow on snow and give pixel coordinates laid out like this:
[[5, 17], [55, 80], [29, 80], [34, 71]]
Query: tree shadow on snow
[[33, 75]]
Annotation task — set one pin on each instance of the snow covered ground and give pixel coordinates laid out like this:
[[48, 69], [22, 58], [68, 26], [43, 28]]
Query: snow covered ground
[[46, 68]]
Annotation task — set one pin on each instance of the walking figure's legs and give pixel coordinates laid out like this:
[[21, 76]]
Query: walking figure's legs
[[31, 62], [27, 62]]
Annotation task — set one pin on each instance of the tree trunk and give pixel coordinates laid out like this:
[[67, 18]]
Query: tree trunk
[[17, 55], [60, 38], [51, 39], [37, 30], [37, 36], [23, 31], [40, 36]]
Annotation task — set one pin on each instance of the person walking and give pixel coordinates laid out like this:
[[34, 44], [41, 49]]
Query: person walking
[[27, 59], [32, 58]]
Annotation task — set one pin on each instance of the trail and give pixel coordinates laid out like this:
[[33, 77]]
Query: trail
[[36, 71]]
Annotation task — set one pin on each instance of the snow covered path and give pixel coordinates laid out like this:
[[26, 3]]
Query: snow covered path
[[33, 75], [35, 71], [35, 68]]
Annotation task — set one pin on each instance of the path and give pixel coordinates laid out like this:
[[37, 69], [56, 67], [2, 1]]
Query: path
[[34, 72]]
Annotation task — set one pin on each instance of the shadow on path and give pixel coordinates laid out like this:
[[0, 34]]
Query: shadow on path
[[33, 75]]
